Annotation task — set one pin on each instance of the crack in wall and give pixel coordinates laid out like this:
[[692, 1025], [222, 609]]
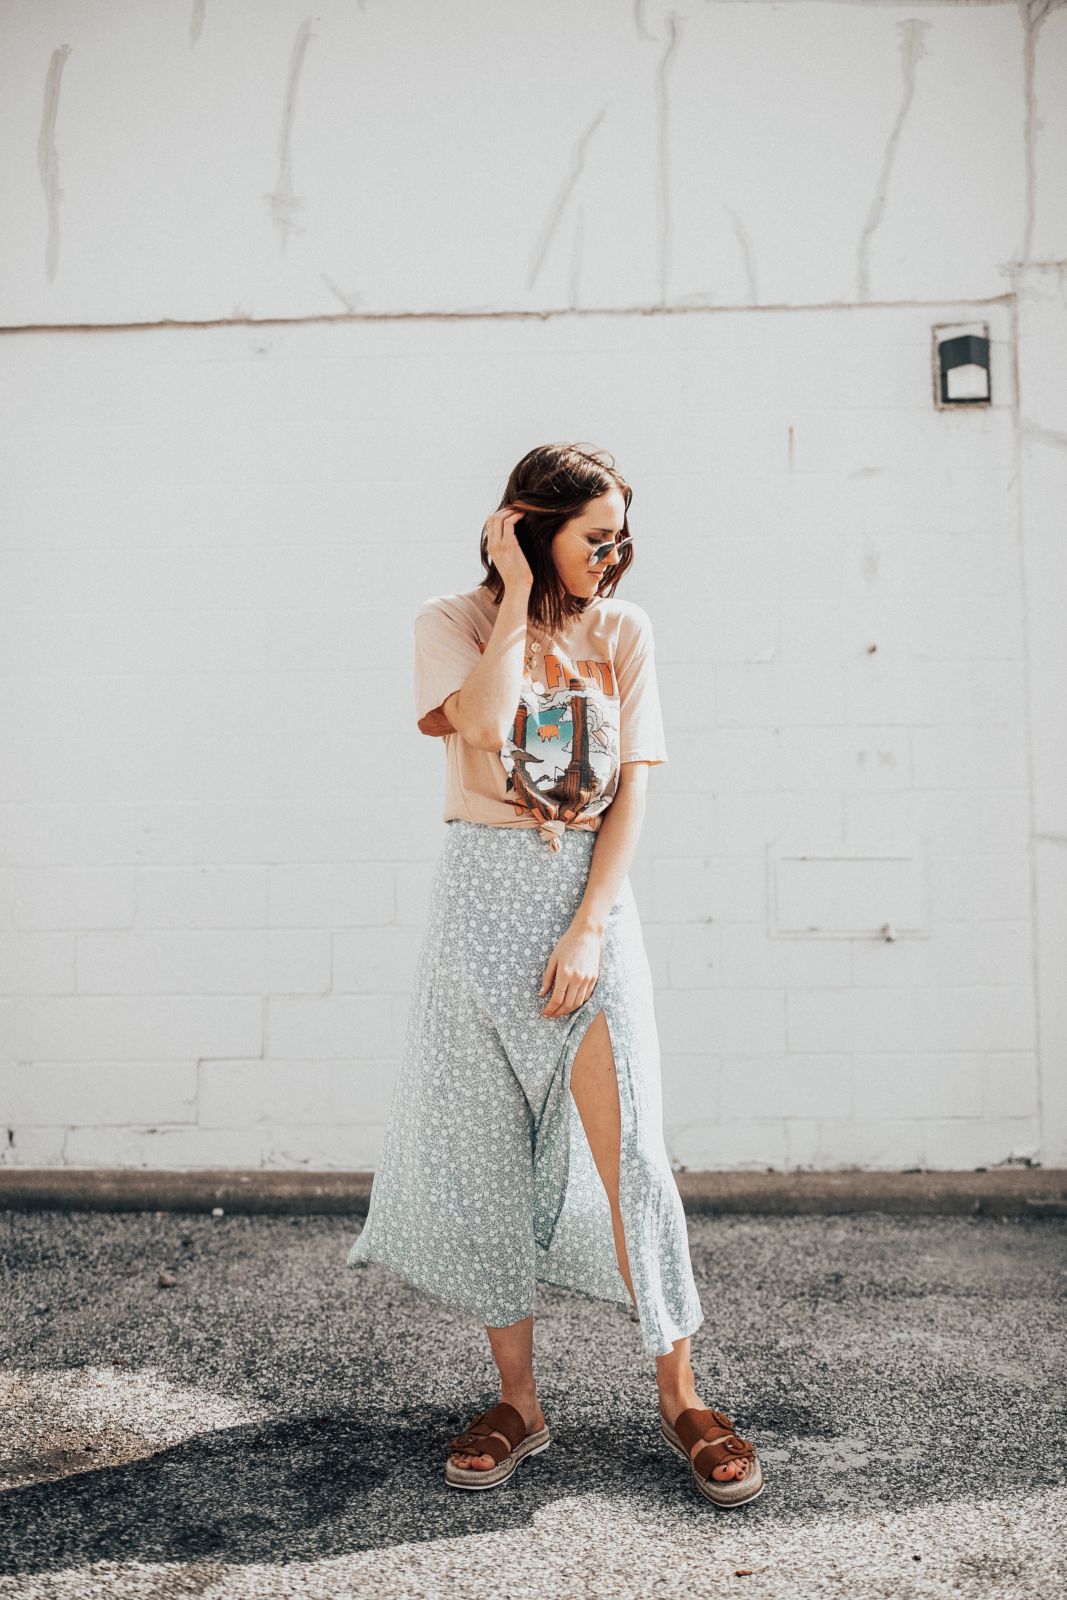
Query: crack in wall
[[546, 314], [663, 152], [565, 191], [48, 156], [911, 51], [283, 199]]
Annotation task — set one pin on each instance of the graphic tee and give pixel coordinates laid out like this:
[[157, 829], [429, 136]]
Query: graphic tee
[[589, 704]]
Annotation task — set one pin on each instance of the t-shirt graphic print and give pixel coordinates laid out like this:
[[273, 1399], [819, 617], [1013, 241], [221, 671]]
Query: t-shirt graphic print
[[589, 705], [562, 753]]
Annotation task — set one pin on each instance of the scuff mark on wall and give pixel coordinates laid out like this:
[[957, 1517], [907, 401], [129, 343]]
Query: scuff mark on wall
[[283, 200], [196, 21], [639, 22], [560, 202], [748, 255], [48, 155], [576, 256], [1055, 438], [870, 563], [912, 50], [663, 203], [349, 301]]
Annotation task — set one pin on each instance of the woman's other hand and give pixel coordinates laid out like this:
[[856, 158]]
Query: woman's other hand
[[572, 972]]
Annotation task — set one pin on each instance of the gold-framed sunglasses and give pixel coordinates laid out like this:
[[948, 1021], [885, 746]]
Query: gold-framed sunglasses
[[600, 554], [602, 551]]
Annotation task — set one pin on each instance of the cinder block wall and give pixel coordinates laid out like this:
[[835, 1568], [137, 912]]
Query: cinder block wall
[[253, 422]]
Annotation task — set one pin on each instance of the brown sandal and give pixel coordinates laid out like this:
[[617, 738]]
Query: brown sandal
[[501, 1433], [722, 1445]]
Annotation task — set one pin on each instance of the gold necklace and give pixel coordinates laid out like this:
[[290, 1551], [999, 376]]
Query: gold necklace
[[534, 666]]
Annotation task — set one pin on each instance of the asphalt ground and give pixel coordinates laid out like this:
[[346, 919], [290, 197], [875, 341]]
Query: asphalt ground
[[273, 1422]]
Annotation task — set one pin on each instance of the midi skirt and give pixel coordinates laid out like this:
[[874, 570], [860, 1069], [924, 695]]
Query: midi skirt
[[486, 1183]]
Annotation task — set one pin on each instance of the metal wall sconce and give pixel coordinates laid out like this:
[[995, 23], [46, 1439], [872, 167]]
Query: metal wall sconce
[[961, 365]]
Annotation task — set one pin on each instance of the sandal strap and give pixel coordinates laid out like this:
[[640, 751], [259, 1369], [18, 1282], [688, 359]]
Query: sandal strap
[[723, 1444], [494, 1433], [729, 1447], [695, 1423], [503, 1418]]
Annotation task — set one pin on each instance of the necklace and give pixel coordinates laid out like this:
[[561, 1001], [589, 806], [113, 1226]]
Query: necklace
[[534, 667]]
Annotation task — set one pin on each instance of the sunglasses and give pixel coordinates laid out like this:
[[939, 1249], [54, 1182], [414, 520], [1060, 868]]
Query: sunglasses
[[596, 557], [602, 551]]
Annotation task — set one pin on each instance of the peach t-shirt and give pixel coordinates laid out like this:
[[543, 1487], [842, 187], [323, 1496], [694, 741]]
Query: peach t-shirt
[[590, 704]]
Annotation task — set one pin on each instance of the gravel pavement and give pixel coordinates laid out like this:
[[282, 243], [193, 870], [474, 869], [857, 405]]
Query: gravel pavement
[[218, 1406]]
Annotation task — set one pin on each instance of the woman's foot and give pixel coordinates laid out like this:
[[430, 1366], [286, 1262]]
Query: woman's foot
[[530, 1409], [671, 1406]]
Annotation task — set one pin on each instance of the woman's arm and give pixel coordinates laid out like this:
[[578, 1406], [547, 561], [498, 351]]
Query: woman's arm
[[574, 965], [616, 841], [484, 709]]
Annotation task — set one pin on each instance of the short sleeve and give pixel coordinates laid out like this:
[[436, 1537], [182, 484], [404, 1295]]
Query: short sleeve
[[640, 715], [446, 651]]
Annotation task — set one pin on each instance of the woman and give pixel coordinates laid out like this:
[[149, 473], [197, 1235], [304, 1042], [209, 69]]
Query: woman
[[525, 1139]]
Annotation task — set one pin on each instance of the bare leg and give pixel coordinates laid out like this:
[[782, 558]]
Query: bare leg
[[513, 1353], [595, 1086]]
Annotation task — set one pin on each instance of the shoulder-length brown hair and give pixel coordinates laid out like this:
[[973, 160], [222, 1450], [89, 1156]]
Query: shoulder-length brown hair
[[553, 483]]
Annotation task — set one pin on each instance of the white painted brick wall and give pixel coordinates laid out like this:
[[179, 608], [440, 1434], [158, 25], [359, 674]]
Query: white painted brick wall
[[217, 819]]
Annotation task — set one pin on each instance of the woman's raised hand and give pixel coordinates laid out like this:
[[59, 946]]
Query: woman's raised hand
[[504, 550]]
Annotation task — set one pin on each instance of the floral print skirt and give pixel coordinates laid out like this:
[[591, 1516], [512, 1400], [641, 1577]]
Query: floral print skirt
[[486, 1184]]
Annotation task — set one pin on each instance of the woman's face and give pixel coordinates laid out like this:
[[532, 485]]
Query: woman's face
[[600, 521]]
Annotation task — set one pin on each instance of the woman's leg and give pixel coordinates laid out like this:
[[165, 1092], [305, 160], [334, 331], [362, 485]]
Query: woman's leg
[[513, 1353], [595, 1087]]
